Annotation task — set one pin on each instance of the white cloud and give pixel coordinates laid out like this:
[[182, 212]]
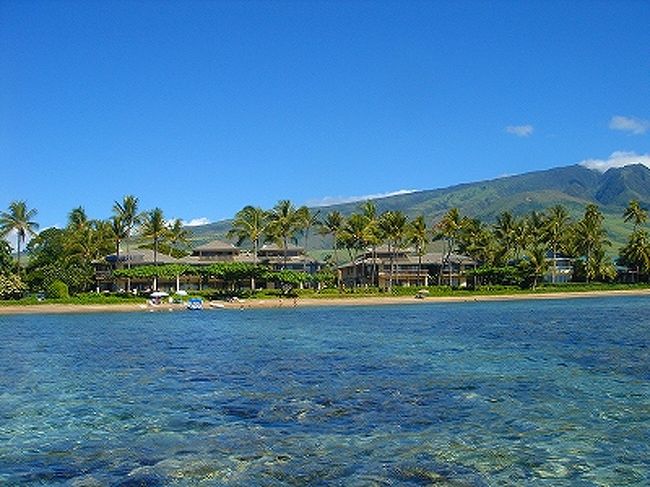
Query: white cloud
[[632, 125], [195, 222], [520, 130], [617, 159], [337, 200]]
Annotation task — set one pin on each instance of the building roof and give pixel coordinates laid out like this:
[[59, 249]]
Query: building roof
[[411, 258], [216, 246], [272, 247], [142, 257]]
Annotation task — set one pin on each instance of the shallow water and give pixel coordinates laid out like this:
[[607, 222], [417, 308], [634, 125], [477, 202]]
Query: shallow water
[[514, 393]]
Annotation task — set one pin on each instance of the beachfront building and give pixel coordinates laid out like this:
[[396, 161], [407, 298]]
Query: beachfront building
[[105, 281], [408, 269], [560, 268], [216, 251], [270, 256], [274, 257]]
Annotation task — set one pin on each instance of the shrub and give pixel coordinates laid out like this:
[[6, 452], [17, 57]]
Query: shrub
[[11, 286], [58, 290]]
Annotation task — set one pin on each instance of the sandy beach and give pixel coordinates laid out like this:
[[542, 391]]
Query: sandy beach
[[290, 303]]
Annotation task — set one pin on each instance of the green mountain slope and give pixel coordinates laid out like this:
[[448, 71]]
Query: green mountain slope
[[571, 186]]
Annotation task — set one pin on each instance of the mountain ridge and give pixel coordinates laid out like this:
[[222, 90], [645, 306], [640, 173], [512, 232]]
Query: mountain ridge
[[572, 186]]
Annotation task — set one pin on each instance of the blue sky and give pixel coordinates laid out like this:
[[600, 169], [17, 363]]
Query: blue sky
[[203, 107]]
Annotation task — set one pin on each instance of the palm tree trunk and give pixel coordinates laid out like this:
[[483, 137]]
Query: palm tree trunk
[[390, 274], [255, 246], [128, 265], [18, 253], [155, 263], [304, 259], [449, 261], [285, 252], [374, 266]]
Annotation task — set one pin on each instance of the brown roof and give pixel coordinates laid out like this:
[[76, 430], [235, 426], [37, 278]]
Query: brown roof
[[276, 247], [215, 246]]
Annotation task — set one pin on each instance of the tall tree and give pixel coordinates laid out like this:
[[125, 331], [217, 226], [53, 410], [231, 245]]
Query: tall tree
[[92, 241], [119, 233], [419, 238], [635, 213], [556, 229], [178, 236], [18, 219], [476, 240], [155, 230], [353, 238], [449, 229], [127, 213], [332, 225], [505, 233], [308, 220], [373, 237], [636, 253], [77, 219], [393, 226], [590, 240], [284, 223], [249, 224]]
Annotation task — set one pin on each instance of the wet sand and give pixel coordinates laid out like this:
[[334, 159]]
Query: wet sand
[[290, 303]]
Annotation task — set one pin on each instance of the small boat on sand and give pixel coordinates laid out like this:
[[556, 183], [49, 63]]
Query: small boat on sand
[[195, 304]]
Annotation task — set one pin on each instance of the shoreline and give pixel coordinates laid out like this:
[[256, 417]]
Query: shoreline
[[291, 303]]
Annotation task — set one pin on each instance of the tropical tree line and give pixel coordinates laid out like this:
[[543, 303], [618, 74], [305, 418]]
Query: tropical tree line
[[65, 256], [511, 250]]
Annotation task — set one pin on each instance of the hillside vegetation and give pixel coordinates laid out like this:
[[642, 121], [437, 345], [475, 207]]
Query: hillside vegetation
[[571, 186]]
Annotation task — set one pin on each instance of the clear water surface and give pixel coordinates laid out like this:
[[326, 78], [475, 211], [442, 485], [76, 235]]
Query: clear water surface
[[514, 393]]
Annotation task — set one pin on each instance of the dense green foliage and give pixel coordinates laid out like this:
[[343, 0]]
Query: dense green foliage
[[11, 286], [517, 249], [6, 259], [58, 290]]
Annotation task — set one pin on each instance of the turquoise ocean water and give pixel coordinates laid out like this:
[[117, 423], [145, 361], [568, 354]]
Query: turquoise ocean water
[[515, 393]]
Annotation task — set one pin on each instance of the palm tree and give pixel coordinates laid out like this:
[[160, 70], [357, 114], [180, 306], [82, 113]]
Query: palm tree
[[476, 240], [536, 262], [369, 211], [353, 237], [20, 220], [556, 229], [507, 231], [119, 233], [419, 237], [92, 241], [393, 226], [178, 235], [154, 229], [249, 224], [77, 219], [635, 213], [308, 220], [591, 237], [284, 223], [449, 228], [637, 252], [332, 225], [127, 213]]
